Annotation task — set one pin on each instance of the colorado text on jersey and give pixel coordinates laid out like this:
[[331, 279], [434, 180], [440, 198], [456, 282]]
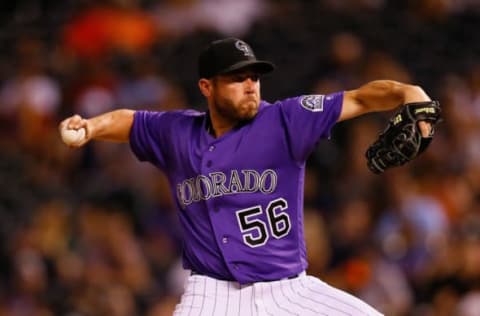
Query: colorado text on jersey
[[215, 184]]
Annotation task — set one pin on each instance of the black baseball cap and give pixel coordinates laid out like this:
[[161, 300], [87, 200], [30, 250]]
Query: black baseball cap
[[227, 55]]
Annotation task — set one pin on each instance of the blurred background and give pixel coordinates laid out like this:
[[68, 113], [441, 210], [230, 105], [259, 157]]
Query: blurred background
[[92, 231]]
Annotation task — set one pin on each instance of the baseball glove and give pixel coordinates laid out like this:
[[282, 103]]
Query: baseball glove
[[402, 141]]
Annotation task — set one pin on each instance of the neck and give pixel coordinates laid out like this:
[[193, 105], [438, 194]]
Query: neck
[[218, 126]]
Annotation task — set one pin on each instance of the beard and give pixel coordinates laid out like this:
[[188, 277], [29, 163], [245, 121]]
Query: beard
[[241, 111]]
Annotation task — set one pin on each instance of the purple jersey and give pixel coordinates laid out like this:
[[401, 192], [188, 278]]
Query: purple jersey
[[240, 196]]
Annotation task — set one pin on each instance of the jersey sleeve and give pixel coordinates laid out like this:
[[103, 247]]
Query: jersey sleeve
[[308, 119], [147, 137]]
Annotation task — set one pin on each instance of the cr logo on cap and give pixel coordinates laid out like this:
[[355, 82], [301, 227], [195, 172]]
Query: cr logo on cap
[[240, 45]]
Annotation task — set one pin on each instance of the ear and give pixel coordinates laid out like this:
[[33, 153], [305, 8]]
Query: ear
[[205, 86]]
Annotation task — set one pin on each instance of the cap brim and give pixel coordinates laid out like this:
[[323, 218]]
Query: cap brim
[[259, 66]]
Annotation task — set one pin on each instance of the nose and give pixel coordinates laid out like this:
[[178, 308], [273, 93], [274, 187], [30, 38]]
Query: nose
[[249, 84]]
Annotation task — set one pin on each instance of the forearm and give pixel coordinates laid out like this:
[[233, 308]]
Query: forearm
[[380, 95], [112, 126], [384, 95]]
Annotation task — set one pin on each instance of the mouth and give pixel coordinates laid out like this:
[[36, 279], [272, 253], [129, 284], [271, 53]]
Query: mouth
[[249, 108], [250, 103], [251, 99]]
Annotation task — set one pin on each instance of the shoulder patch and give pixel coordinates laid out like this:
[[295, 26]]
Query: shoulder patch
[[313, 102]]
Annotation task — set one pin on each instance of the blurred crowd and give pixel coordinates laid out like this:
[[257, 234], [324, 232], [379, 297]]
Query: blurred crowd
[[93, 232]]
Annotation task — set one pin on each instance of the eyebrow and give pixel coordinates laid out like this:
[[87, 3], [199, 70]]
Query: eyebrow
[[244, 70]]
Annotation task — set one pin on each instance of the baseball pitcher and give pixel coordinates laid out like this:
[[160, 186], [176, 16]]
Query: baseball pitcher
[[237, 173]]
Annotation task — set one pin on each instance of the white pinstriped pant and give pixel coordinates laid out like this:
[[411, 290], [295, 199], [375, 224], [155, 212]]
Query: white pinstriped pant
[[302, 296]]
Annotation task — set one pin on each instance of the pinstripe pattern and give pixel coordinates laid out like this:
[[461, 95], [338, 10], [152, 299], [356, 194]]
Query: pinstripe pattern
[[276, 298], [192, 295], [338, 301], [253, 302], [302, 296], [239, 301], [215, 298], [314, 307], [203, 297], [263, 298], [234, 291], [329, 309], [228, 299], [340, 298], [289, 294]]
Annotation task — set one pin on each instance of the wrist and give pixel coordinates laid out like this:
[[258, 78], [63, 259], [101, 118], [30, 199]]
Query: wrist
[[415, 94], [90, 129]]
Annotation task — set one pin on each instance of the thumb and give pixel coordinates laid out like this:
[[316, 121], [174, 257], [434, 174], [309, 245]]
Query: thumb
[[425, 129]]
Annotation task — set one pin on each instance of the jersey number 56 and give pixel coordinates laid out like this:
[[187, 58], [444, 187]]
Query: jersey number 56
[[255, 231]]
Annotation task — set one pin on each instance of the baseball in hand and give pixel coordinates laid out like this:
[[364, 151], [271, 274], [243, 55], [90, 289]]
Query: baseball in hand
[[73, 136]]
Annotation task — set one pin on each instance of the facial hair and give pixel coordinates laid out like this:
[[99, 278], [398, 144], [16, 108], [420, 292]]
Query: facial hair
[[234, 112]]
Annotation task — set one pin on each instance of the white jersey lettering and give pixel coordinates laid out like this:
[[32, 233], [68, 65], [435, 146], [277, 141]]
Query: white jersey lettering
[[215, 184]]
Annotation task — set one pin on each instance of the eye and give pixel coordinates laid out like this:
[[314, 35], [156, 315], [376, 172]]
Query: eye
[[239, 78], [243, 77], [255, 77]]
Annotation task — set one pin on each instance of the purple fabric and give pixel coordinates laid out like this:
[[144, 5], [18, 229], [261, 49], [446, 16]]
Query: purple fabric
[[240, 197]]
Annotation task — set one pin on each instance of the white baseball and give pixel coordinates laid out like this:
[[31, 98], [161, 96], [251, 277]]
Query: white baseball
[[73, 136]]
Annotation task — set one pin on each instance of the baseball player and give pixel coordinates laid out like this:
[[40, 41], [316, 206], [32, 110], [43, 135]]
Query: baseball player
[[236, 173]]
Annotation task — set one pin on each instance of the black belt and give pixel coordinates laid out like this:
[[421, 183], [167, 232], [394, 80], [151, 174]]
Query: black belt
[[286, 278]]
